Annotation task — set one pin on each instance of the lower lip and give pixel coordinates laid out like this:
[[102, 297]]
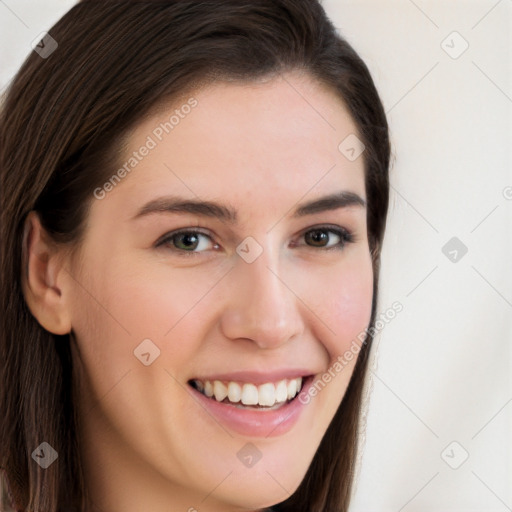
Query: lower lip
[[256, 423]]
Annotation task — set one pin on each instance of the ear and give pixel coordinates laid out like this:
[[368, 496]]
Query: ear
[[43, 277]]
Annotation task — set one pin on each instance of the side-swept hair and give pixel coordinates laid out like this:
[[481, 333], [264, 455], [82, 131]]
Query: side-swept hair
[[62, 122]]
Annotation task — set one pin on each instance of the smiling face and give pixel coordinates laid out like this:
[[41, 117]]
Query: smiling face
[[269, 281]]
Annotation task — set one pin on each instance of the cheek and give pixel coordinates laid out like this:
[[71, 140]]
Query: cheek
[[163, 304], [343, 304], [340, 302], [352, 307], [122, 304]]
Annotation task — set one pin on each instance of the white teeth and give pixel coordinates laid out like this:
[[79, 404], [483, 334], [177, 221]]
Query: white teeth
[[219, 390], [292, 388], [234, 392], [267, 395], [208, 388], [249, 394], [281, 391]]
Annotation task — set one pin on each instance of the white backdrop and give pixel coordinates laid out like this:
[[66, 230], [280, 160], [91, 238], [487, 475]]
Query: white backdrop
[[439, 426]]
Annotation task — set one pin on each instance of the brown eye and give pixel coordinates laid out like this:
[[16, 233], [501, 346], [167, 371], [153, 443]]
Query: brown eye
[[327, 238], [317, 238]]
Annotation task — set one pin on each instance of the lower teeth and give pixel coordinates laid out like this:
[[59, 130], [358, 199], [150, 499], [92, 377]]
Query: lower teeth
[[240, 405], [264, 407]]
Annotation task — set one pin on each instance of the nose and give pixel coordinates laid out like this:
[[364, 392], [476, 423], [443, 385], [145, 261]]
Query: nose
[[261, 306]]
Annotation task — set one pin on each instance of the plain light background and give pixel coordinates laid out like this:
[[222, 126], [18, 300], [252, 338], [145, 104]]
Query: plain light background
[[439, 423]]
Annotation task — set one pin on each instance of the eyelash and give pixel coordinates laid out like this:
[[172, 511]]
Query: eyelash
[[346, 237]]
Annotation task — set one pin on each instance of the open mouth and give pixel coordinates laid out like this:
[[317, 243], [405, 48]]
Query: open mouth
[[245, 395]]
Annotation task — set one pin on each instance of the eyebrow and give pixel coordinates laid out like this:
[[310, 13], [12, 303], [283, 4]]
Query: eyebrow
[[173, 204]]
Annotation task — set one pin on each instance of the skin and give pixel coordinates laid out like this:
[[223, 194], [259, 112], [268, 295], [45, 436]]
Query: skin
[[261, 149]]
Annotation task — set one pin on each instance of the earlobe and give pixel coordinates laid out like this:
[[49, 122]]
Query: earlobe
[[43, 278]]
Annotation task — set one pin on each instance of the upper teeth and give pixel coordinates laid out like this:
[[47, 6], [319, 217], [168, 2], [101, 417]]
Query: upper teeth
[[266, 394]]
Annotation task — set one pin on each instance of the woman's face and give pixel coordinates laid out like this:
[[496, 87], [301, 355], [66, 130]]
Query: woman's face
[[261, 288]]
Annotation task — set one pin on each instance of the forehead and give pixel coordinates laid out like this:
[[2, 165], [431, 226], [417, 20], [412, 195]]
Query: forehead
[[269, 141]]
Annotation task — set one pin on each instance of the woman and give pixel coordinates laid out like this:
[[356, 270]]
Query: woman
[[194, 197]]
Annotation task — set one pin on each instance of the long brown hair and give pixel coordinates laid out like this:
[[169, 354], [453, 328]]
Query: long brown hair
[[62, 122]]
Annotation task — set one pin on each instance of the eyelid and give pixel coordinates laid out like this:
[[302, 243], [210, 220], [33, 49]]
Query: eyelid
[[327, 227], [170, 234]]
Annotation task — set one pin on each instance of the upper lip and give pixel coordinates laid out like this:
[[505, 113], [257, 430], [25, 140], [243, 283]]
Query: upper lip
[[257, 377]]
